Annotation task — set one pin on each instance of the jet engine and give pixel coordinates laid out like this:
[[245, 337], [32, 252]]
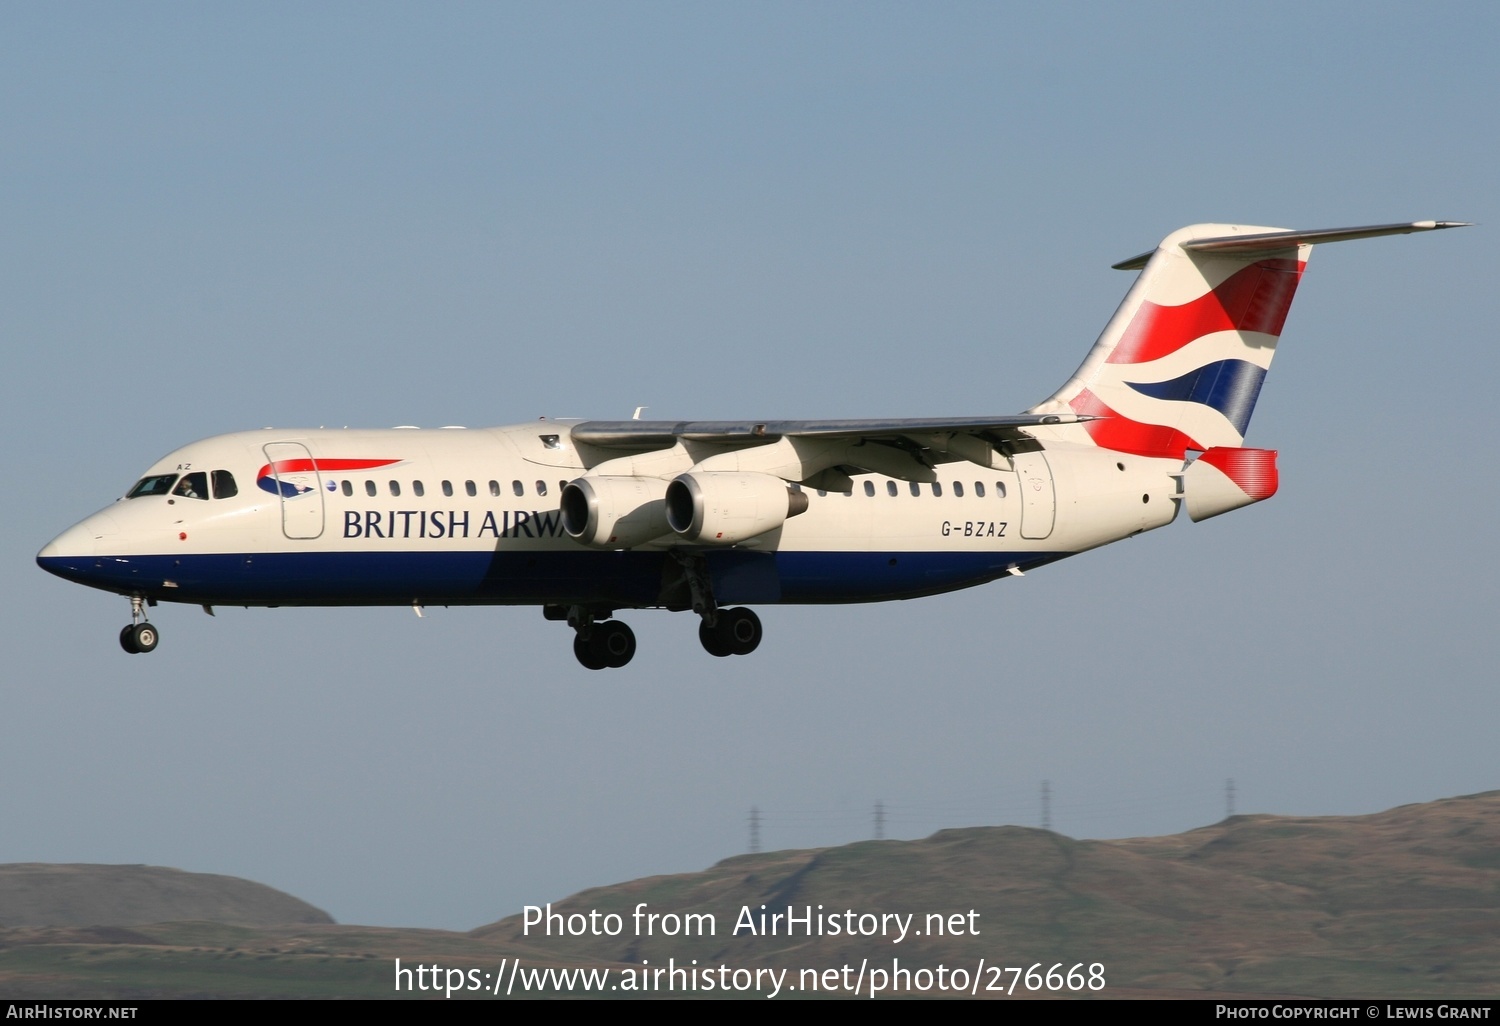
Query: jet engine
[[721, 508], [615, 512]]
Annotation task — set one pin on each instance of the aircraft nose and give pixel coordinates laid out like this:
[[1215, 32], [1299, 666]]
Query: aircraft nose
[[79, 542]]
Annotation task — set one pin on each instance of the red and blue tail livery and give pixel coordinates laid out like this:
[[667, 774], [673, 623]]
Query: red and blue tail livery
[[586, 519]]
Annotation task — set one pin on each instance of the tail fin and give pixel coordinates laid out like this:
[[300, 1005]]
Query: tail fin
[[1180, 364]]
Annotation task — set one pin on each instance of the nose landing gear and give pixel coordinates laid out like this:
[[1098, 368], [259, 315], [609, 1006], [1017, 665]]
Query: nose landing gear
[[138, 636]]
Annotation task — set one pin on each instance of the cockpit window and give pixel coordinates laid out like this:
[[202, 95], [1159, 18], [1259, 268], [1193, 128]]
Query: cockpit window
[[161, 484], [192, 486], [224, 486]]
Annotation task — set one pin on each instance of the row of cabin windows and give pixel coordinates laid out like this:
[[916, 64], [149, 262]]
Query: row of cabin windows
[[470, 488], [196, 486], [519, 489], [892, 489]]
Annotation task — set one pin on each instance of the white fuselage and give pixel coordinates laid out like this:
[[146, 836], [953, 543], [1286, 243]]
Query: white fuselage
[[454, 516]]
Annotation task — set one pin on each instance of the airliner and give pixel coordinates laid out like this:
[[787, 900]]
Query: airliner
[[587, 518]]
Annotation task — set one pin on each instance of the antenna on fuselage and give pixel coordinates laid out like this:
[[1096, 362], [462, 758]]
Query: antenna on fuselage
[[637, 414]]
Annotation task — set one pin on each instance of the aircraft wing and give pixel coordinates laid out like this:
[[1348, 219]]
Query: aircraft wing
[[644, 435], [817, 453]]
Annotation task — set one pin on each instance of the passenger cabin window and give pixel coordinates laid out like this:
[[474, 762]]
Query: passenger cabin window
[[370, 488], [192, 486], [937, 488], [958, 489], [890, 488], [469, 488], [161, 484], [447, 487], [869, 487], [979, 489], [417, 489], [495, 488], [518, 488], [395, 487], [999, 489], [348, 487], [541, 487], [916, 489]]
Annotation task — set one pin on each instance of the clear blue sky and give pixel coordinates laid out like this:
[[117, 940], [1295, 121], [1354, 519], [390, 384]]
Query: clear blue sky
[[218, 217]]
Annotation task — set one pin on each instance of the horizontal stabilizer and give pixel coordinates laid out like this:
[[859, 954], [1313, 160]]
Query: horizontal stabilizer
[[1270, 242]]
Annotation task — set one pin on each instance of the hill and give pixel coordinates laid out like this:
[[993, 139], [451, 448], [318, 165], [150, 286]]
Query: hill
[[38, 894], [1400, 902], [1403, 903]]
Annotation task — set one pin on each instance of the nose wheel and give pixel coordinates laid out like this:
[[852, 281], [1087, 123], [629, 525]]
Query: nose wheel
[[138, 636]]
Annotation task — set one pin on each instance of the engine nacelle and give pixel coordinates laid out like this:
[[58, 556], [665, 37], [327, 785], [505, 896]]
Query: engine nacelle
[[716, 508], [615, 512], [1225, 478]]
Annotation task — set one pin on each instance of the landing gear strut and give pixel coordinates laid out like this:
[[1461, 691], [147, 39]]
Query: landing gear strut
[[138, 635], [607, 644]]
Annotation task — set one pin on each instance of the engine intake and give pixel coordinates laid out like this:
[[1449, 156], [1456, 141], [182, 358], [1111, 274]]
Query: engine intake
[[615, 512]]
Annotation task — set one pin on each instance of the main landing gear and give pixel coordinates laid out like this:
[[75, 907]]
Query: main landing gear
[[731, 632], [600, 644], [610, 644], [721, 632], [138, 635], [605, 644]]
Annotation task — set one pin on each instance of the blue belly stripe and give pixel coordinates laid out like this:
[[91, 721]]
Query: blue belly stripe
[[622, 579]]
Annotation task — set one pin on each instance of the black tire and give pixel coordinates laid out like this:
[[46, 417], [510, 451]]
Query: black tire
[[587, 654], [127, 639], [740, 630], [144, 637], [709, 638], [614, 642]]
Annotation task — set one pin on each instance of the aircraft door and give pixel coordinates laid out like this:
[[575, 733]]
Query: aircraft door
[[293, 475], [1038, 495]]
